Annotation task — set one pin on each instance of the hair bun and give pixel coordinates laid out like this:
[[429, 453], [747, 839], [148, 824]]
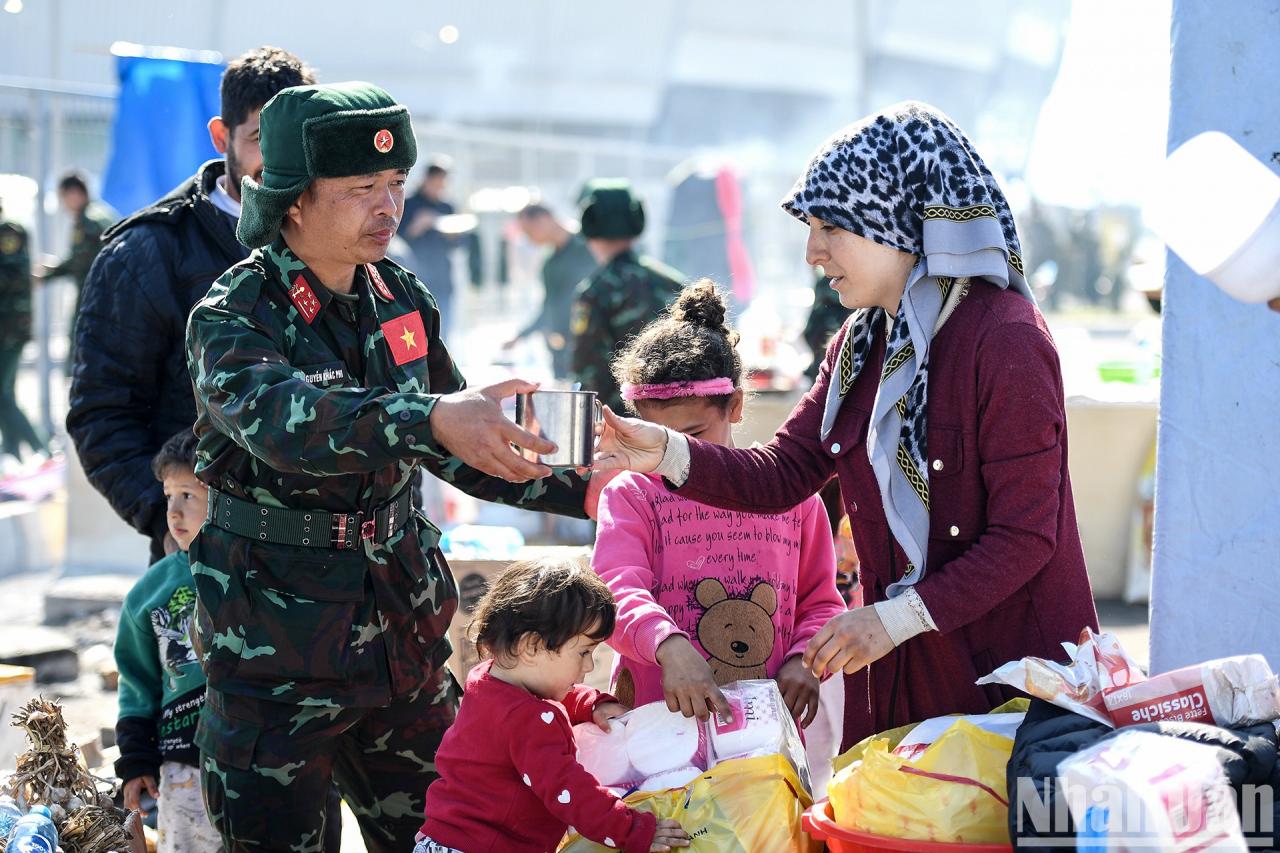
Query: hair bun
[[701, 304]]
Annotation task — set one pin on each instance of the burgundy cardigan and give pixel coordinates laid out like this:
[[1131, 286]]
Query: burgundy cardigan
[[1005, 574]]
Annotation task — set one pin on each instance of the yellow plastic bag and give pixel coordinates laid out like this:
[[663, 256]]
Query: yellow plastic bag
[[745, 804], [953, 793], [896, 736]]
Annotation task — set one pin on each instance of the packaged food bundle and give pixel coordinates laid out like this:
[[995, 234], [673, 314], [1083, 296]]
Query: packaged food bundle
[[1103, 683], [942, 780], [761, 725], [648, 748], [652, 748], [1097, 663], [1234, 691], [1140, 791], [925, 734]]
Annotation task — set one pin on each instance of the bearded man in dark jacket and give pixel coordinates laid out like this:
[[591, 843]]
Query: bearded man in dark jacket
[[130, 389]]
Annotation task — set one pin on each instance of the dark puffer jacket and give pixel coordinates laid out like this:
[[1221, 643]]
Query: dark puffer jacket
[[1050, 734], [131, 390]]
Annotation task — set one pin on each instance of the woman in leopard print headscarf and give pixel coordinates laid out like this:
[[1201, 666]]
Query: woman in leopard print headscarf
[[939, 408]]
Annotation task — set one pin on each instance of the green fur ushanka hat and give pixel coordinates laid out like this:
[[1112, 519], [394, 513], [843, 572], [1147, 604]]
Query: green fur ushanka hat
[[610, 210], [330, 131]]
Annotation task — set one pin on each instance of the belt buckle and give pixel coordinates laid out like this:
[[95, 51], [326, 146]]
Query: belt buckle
[[342, 530], [368, 529]]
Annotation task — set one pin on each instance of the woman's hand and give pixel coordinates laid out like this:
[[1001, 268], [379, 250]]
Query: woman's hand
[[851, 641], [606, 711], [799, 690], [629, 444], [687, 681], [668, 835]]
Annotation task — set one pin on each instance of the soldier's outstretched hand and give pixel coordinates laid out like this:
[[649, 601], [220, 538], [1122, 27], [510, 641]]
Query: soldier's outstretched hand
[[471, 426]]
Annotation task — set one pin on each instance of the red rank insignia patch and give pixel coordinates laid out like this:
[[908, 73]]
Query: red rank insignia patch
[[304, 299], [406, 337], [379, 286], [383, 141]]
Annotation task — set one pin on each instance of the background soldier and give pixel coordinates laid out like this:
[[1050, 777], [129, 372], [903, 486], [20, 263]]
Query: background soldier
[[321, 384], [15, 331], [564, 269], [89, 221], [623, 294]]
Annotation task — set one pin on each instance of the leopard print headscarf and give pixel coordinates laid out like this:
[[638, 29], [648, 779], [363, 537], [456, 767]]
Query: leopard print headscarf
[[908, 178]]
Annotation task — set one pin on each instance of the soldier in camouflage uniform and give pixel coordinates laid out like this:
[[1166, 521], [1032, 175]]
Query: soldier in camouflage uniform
[[15, 331], [89, 221], [825, 319], [623, 294], [321, 385]]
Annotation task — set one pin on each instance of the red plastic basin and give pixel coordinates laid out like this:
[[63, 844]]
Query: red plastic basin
[[820, 824]]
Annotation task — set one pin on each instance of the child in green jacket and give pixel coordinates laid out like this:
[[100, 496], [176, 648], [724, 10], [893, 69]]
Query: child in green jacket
[[161, 685]]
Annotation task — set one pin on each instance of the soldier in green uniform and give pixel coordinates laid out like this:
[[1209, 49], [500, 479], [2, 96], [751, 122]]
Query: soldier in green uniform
[[321, 385], [15, 331], [89, 220], [623, 294], [825, 319]]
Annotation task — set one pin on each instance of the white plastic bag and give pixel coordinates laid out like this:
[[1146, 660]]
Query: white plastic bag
[[653, 748], [1098, 663], [1140, 791]]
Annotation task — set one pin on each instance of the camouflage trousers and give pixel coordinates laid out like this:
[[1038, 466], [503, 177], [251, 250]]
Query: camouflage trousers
[[268, 767]]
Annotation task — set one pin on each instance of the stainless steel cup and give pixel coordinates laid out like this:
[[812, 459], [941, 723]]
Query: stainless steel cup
[[568, 418]]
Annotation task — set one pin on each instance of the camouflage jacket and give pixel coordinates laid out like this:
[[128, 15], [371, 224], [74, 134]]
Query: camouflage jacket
[[308, 400], [86, 242], [15, 285], [612, 304]]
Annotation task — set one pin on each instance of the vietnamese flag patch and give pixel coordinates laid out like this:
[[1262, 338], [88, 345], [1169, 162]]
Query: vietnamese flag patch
[[406, 337]]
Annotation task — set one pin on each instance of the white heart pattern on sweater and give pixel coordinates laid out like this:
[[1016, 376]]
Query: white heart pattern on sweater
[[608, 842], [527, 780], [548, 716], [564, 797]]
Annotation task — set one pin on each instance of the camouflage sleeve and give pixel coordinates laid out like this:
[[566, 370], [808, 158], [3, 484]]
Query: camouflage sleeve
[[14, 256], [265, 405], [83, 251], [563, 493]]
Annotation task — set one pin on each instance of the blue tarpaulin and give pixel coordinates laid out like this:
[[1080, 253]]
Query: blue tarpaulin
[[160, 136]]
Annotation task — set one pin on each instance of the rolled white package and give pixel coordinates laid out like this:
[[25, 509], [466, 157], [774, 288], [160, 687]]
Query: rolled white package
[[659, 740], [677, 778], [757, 726], [604, 754]]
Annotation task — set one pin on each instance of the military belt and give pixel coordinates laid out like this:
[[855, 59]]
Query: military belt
[[309, 528]]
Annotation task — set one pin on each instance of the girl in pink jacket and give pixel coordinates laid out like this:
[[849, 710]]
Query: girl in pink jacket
[[706, 596]]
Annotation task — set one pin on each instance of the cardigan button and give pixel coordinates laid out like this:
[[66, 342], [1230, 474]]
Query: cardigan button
[[955, 531], [937, 465], [835, 447]]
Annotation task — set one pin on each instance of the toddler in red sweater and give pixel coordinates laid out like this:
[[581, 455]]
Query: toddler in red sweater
[[509, 778]]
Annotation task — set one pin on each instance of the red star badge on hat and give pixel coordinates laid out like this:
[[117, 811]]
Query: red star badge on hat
[[383, 140]]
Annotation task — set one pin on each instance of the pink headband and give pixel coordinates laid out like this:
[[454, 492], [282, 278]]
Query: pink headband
[[672, 390]]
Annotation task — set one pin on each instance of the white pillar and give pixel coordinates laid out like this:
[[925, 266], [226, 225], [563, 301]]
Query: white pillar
[[1217, 524]]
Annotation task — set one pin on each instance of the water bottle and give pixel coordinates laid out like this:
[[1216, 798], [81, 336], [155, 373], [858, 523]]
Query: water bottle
[[34, 833], [9, 814]]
